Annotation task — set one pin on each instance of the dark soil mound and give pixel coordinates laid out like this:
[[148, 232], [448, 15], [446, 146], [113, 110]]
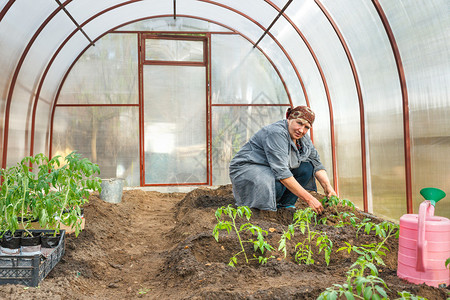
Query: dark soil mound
[[160, 246]]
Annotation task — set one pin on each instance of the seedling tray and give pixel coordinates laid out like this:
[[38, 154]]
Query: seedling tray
[[30, 270]]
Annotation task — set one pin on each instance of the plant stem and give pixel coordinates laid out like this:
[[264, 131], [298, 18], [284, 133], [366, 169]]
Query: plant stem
[[62, 210], [25, 183], [387, 236], [239, 238]]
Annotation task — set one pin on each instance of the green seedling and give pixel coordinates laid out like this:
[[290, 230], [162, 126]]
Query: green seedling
[[370, 252], [342, 216], [258, 244], [404, 295], [373, 252], [358, 286], [143, 291], [304, 252]]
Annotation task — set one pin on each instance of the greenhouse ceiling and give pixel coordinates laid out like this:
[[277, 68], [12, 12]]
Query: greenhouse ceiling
[[163, 93]]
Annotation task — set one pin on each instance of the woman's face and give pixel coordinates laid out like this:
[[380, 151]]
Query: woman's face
[[298, 128]]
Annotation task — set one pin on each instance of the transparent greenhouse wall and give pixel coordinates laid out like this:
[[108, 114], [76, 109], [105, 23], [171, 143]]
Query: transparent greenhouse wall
[[382, 96], [251, 79], [338, 78], [423, 45], [107, 135], [14, 37], [232, 127]]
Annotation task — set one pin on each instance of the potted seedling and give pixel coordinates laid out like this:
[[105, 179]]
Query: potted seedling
[[71, 185], [43, 189], [16, 196]]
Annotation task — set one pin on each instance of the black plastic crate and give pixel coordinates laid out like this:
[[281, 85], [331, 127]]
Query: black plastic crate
[[30, 270]]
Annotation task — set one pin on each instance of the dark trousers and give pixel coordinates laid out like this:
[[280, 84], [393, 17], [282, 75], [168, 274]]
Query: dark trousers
[[305, 176]]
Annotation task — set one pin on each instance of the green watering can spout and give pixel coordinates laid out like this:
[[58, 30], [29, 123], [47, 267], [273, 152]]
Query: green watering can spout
[[432, 194]]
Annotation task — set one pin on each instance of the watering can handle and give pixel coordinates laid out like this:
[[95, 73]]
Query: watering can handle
[[426, 209]]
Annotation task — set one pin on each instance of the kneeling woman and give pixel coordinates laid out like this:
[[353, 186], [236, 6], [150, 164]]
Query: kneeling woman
[[278, 165]]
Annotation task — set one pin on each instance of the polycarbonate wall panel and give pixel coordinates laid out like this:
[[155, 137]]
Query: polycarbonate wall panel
[[260, 11], [105, 74], [335, 66], [382, 96], [171, 24], [108, 136], [308, 69], [220, 15], [81, 10], [231, 128], [251, 79], [125, 14], [26, 84], [16, 29], [14, 36], [424, 43]]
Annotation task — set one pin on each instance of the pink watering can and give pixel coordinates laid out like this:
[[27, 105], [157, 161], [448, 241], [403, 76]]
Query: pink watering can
[[424, 243]]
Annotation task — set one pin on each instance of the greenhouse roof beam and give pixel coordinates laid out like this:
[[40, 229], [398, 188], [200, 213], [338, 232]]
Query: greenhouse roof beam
[[273, 22], [75, 22], [174, 9]]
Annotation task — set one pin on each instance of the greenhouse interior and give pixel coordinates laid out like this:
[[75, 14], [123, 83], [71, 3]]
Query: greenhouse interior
[[164, 93]]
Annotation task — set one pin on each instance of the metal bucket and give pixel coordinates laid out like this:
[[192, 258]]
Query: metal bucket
[[112, 190]]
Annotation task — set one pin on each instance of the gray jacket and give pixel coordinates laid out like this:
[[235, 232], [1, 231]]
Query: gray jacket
[[269, 155]]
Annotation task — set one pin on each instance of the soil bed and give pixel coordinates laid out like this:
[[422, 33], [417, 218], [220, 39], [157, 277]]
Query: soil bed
[[160, 246]]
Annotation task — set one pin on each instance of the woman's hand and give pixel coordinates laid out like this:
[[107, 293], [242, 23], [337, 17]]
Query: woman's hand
[[322, 176], [292, 185], [315, 204], [329, 191]]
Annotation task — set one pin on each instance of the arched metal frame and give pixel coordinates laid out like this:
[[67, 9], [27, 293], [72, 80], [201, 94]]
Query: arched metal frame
[[389, 33], [140, 101]]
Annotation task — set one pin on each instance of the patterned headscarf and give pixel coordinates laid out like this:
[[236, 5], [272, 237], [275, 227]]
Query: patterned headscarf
[[301, 112]]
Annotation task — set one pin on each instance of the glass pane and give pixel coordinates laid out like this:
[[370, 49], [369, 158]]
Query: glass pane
[[242, 74], [108, 136], [231, 128], [173, 50], [175, 124], [105, 74]]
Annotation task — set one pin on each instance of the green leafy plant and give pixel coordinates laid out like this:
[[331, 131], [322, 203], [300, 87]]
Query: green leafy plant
[[40, 188], [404, 295], [447, 262], [258, 244], [304, 252], [341, 216], [358, 285], [370, 252], [373, 252]]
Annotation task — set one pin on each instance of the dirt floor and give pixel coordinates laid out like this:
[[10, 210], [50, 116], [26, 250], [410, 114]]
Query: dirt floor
[[160, 246]]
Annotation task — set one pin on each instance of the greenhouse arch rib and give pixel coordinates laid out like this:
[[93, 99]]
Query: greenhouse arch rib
[[362, 120], [327, 92], [275, 40], [14, 79], [406, 131], [110, 30], [110, 8], [6, 8]]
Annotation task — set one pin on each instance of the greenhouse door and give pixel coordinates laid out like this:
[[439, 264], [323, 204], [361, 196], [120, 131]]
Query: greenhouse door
[[174, 110]]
